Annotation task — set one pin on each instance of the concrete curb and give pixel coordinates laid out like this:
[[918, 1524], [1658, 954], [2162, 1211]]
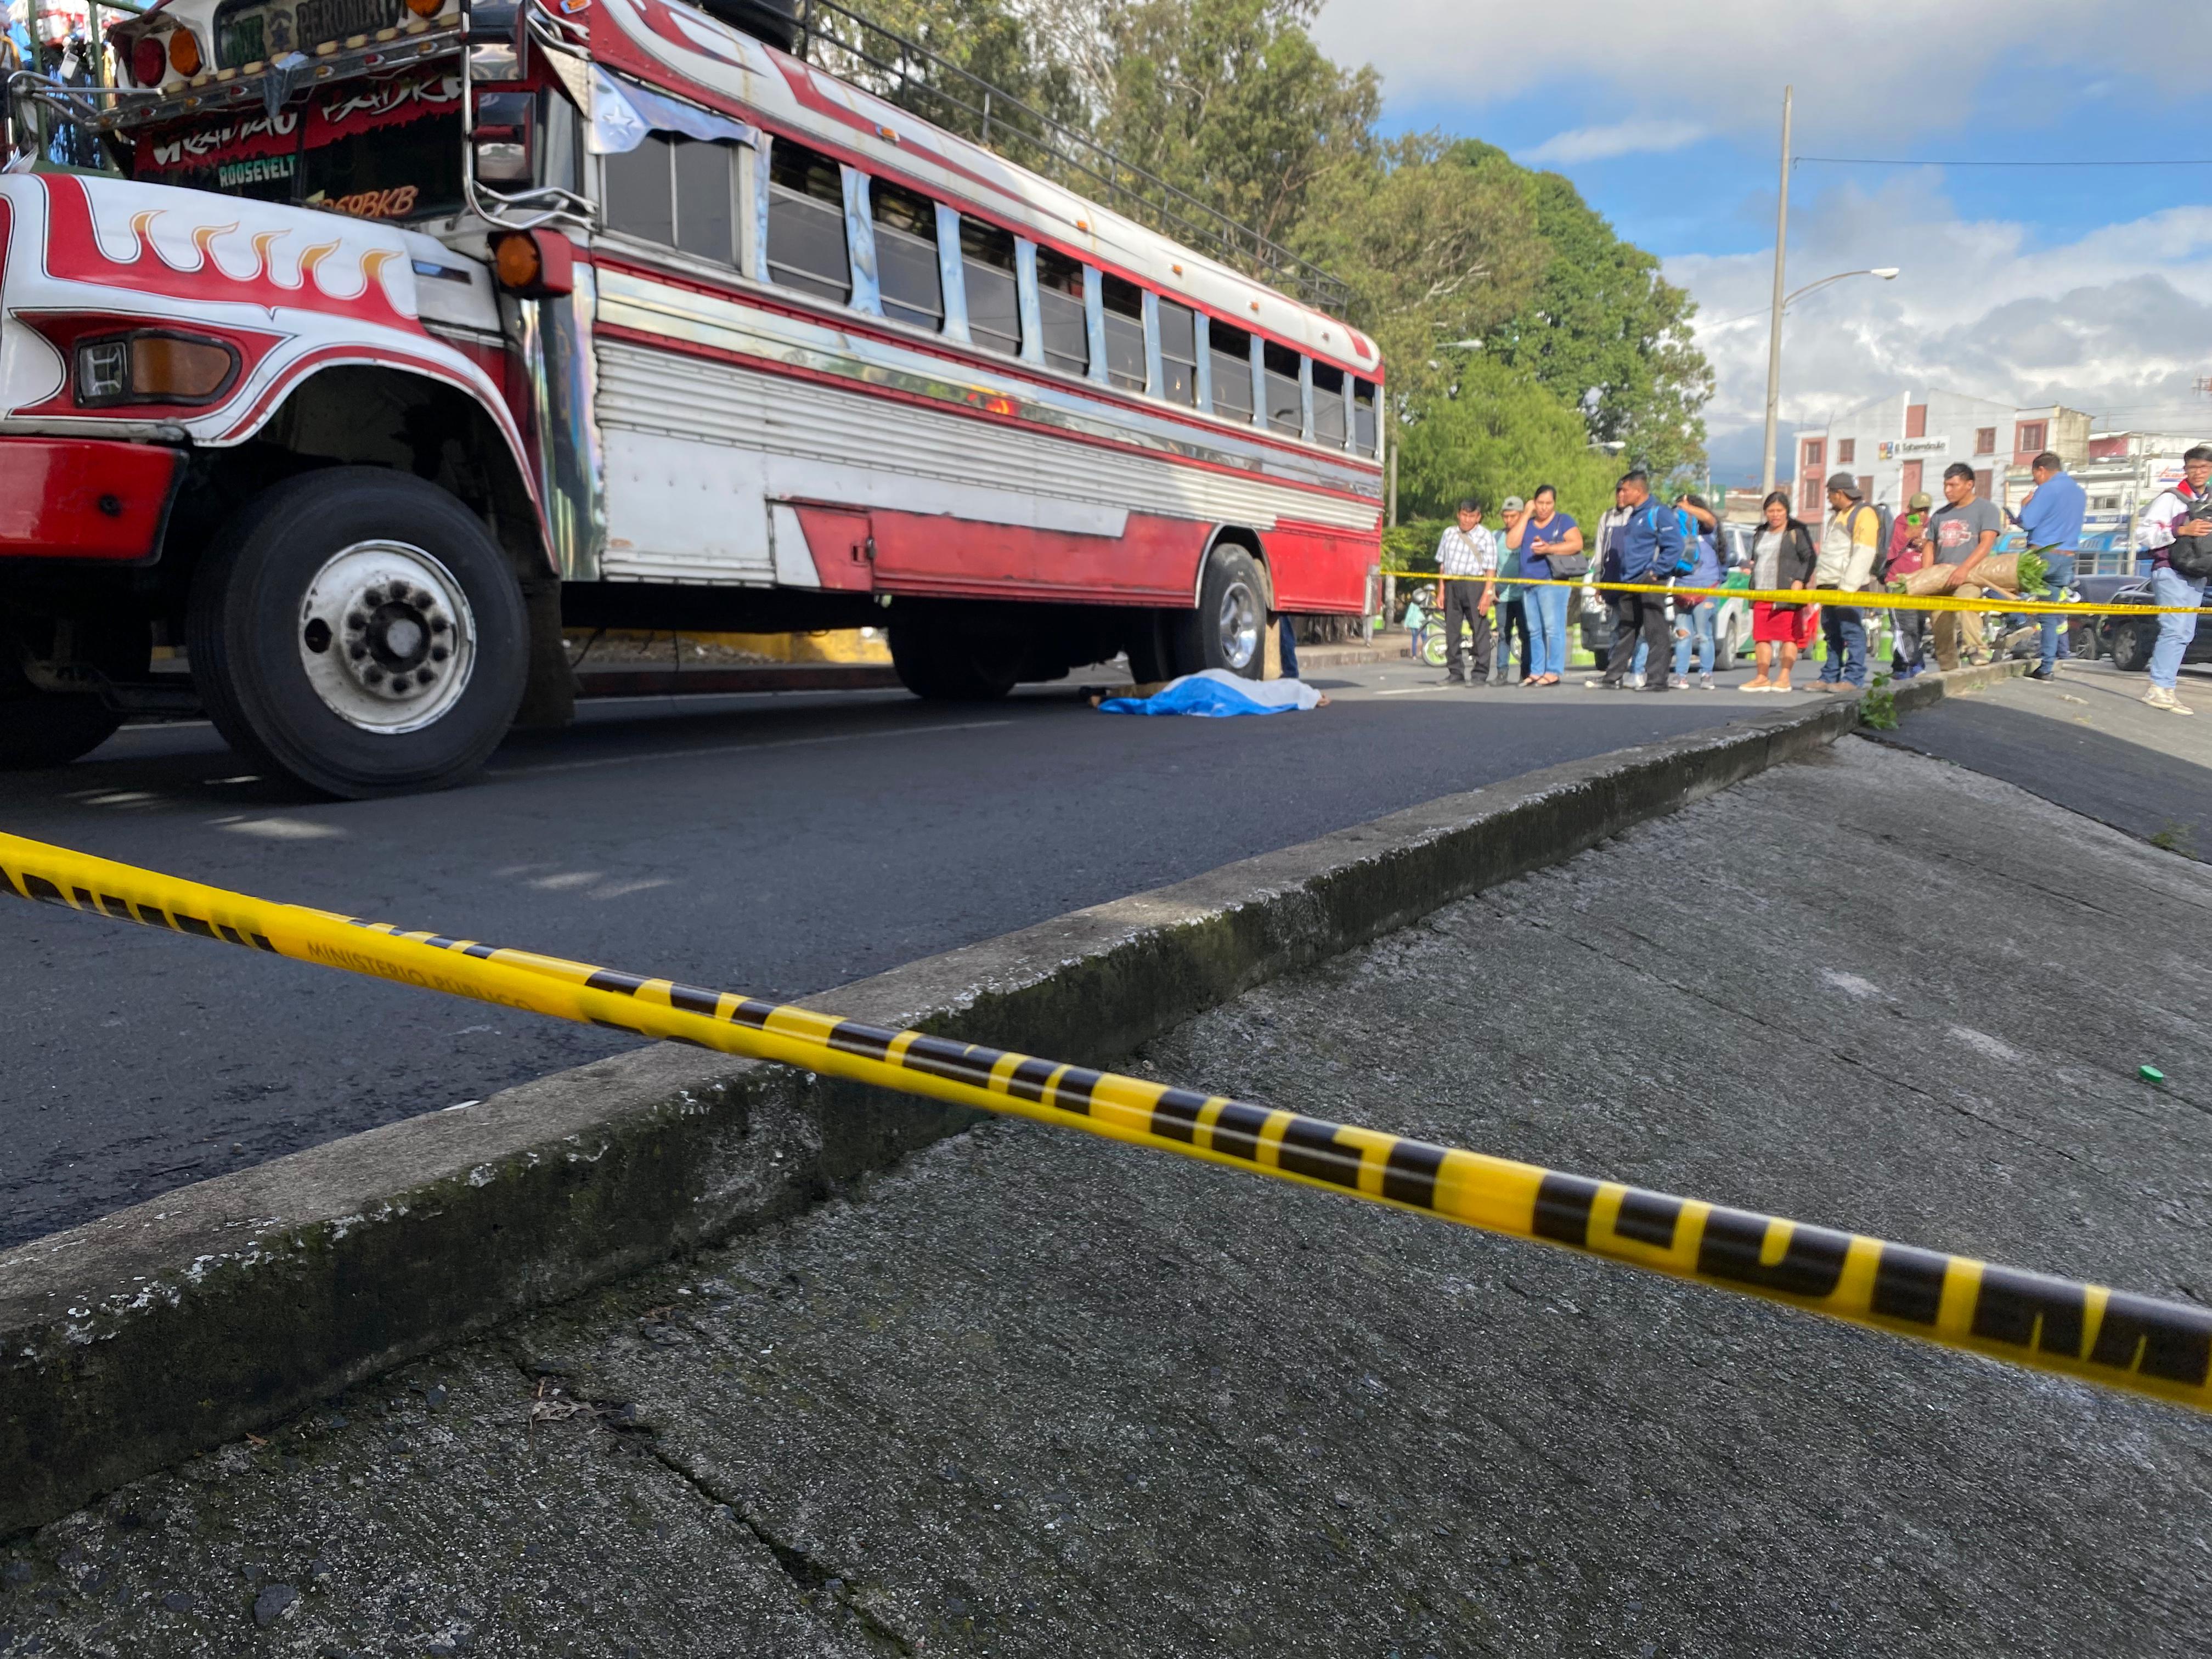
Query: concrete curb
[[137, 1339]]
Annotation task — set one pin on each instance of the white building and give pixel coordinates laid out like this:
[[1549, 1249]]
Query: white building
[[2120, 474], [1896, 445]]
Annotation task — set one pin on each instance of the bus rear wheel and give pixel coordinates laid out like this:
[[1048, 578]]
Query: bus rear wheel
[[1229, 629], [947, 658], [357, 630]]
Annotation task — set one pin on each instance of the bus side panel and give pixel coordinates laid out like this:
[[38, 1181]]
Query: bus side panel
[[1315, 567], [1154, 562]]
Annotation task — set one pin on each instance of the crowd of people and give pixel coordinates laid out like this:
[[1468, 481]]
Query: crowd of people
[[1856, 547]]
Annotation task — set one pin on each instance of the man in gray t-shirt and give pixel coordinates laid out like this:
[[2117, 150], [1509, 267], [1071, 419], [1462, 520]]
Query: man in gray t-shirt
[[1960, 532]]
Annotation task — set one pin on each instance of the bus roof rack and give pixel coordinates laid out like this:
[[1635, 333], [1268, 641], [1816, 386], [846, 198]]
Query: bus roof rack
[[833, 37]]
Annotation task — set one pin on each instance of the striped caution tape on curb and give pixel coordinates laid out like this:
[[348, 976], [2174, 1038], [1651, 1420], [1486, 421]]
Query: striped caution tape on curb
[[2138, 1343], [1832, 596]]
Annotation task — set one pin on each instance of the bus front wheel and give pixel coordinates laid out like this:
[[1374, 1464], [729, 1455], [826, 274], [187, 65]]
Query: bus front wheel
[[357, 630], [1228, 628]]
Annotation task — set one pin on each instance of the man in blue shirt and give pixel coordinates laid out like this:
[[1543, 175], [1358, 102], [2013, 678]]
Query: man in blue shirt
[[1648, 548], [2052, 516]]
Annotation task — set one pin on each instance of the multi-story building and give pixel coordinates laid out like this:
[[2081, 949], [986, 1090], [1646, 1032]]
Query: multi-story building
[[1895, 446], [2120, 474]]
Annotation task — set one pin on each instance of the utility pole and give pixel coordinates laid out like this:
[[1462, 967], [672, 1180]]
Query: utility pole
[[1774, 328]]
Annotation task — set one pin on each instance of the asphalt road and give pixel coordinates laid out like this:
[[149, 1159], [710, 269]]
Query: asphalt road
[[2085, 741], [777, 845], [1033, 1394]]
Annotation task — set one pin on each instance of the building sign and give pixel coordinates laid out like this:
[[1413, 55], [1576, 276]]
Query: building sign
[[1907, 449]]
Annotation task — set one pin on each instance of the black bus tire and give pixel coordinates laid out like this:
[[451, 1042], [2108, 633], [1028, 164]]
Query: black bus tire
[[356, 629], [944, 659], [1229, 629]]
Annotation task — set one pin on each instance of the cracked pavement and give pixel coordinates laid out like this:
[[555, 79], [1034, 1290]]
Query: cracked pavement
[[1031, 1393]]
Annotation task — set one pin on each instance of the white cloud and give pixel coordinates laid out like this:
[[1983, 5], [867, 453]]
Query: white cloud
[[1729, 58], [2113, 322], [1622, 138]]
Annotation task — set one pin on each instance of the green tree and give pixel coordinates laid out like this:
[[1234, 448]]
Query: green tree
[[1437, 247], [1231, 100], [1495, 432], [1607, 333]]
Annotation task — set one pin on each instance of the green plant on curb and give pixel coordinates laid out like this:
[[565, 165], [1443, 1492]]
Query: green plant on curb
[[2176, 838], [1878, 706]]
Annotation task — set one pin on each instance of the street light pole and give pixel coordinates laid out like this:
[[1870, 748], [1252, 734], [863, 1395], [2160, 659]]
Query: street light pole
[[1774, 328]]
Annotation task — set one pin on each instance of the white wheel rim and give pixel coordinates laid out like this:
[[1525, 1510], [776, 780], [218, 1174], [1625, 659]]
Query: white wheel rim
[[1240, 625], [386, 637]]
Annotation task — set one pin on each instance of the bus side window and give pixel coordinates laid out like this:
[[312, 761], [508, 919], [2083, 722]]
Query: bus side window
[[1061, 311], [637, 188], [1328, 406], [1232, 370], [1125, 333], [706, 214], [1178, 353], [806, 247], [994, 308], [1363, 415], [1286, 406], [906, 255]]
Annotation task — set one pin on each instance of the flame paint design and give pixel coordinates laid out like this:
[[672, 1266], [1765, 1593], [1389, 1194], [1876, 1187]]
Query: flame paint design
[[75, 253]]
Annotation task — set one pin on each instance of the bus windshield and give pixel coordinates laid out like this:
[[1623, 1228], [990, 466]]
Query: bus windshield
[[387, 149]]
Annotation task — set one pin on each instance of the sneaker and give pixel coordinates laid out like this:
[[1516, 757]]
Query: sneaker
[[2162, 698], [2040, 672], [1636, 682], [1454, 679], [1705, 682], [1600, 684]]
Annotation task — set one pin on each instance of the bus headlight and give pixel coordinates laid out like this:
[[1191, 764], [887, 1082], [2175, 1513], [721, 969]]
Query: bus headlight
[[154, 367]]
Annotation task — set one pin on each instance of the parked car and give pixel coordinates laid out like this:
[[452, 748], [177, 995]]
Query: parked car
[[2128, 640]]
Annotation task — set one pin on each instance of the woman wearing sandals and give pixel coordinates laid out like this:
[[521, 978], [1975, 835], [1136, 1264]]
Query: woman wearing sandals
[[1782, 557]]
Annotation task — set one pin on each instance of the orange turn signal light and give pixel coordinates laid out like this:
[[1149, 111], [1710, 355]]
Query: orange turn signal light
[[534, 264], [426, 7], [183, 52]]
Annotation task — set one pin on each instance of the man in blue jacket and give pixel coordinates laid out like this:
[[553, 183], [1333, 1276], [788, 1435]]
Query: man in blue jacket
[[1646, 548], [2052, 516]]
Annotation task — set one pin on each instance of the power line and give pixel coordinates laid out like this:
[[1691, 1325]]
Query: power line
[[1911, 161]]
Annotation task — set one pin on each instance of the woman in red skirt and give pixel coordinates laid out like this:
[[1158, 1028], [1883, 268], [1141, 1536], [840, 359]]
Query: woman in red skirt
[[1782, 557]]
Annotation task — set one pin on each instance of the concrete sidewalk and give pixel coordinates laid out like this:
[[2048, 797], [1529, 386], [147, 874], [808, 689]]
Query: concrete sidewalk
[[1033, 1395]]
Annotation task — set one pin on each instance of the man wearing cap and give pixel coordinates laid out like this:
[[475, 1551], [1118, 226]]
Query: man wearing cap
[[1466, 558], [1849, 545], [1511, 618], [1909, 627]]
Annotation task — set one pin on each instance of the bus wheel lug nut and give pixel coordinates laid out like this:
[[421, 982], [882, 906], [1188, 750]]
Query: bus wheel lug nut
[[438, 653], [356, 622]]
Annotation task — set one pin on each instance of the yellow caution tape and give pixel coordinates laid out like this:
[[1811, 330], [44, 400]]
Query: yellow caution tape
[[1836, 596], [2163, 1349]]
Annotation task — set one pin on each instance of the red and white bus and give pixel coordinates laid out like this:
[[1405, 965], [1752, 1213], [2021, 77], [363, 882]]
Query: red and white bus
[[389, 338]]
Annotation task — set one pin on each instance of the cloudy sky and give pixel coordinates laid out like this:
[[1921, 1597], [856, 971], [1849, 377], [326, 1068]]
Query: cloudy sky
[[2086, 286]]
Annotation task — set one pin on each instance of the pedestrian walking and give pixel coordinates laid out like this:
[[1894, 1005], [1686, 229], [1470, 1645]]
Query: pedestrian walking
[[1960, 532], [1466, 559], [1908, 629], [1647, 547], [1510, 611], [1782, 558], [1550, 544], [1693, 617], [2052, 517], [1850, 545], [2178, 515]]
